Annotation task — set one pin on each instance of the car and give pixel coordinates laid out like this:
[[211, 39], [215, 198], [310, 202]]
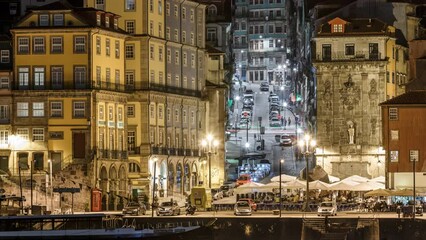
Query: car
[[216, 193], [134, 208], [170, 208], [274, 104], [243, 179], [247, 100], [227, 189], [327, 209], [251, 203], [244, 123], [272, 95], [246, 114], [273, 114], [247, 108], [264, 87], [274, 122], [286, 140], [242, 208], [274, 99]]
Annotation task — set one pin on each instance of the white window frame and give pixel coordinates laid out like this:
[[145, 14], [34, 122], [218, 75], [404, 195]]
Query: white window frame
[[117, 49], [79, 109], [23, 133], [38, 109], [130, 5], [131, 111], [58, 19], [5, 56], [23, 45], [39, 76], [130, 26], [39, 45], [4, 83], [130, 51], [56, 109], [4, 137], [38, 134], [43, 20], [80, 44], [107, 47], [57, 45], [22, 109], [23, 76]]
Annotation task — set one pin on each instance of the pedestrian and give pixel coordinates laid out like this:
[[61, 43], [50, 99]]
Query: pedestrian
[[289, 121]]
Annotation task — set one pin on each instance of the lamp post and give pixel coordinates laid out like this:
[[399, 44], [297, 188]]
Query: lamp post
[[247, 145], [281, 201], [307, 147], [153, 186], [237, 99], [31, 186], [51, 184], [209, 145]]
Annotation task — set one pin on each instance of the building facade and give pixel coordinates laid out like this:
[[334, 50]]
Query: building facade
[[356, 61]]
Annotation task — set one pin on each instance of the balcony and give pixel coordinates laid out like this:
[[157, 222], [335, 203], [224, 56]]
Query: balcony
[[341, 56], [4, 120], [174, 90], [112, 154]]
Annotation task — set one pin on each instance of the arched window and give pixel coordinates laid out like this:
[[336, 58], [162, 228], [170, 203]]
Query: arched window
[[212, 10]]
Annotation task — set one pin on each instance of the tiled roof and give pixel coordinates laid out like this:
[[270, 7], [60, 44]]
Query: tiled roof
[[358, 26], [408, 98]]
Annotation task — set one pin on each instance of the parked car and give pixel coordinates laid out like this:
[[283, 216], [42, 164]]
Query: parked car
[[327, 208], [247, 108], [168, 208], [272, 95], [244, 123], [216, 193], [274, 122], [286, 140], [251, 203], [242, 208], [246, 114], [264, 86], [243, 179], [248, 100], [134, 208]]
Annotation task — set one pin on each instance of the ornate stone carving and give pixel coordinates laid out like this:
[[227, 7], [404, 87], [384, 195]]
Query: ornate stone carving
[[350, 94], [372, 94], [373, 123], [327, 94], [327, 123]]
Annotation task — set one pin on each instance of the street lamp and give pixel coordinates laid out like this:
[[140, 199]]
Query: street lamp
[[237, 99], [307, 147], [51, 184], [209, 147], [281, 201], [153, 186]]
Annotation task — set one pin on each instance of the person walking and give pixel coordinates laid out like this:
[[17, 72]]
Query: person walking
[[289, 121]]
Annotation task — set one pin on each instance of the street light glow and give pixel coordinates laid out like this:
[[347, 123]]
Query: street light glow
[[203, 142], [282, 88], [237, 98], [285, 104], [247, 145]]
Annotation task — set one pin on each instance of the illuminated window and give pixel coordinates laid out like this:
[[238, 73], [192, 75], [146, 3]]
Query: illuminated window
[[337, 27]]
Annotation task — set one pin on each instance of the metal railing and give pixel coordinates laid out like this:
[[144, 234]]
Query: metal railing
[[342, 56]]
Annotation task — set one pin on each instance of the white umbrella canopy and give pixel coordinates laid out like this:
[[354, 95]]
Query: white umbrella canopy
[[284, 178], [249, 187], [368, 186], [343, 185], [317, 184], [294, 184], [270, 186], [378, 193], [356, 178], [380, 179]]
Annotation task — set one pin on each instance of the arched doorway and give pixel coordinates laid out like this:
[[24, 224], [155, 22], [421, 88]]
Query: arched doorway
[[104, 187], [122, 186], [179, 177], [113, 189], [162, 179], [171, 179]]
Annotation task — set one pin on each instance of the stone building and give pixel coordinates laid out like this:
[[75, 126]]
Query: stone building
[[357, 62]]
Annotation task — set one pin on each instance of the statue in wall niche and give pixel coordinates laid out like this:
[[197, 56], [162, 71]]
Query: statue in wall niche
[[351, 132], [327, 123]]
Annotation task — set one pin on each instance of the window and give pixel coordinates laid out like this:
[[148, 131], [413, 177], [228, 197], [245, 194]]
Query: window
[[191, 17], [338, 28], [167, 9], [79, 109], [80, 44], [160, 54], [393, 113], [56, 135], [4, 83], [38, 109], [131, 141], [160, 30], [151, 27], [130, 78], [56, 74], [58, 20], [23, 133], [176, 10], [130, 27], [98, 19], [117, 77], [43, 20], [176, 35], [107, 21], [349, 49], [394, 156], [4, 56], [39, 77], [98, 45], [108, 75], [101, 112], [23, 76], [192, 60], [23, 45], [38, 45], [168, 33], [130, 110], [414, 155], [117, 49], [80, 76], [110, 114], [4, 137], [184, 116], [184, 36], [120, 114], [130, 51], [176, 115], [192, 38], [130, 5], [160, 112], [160, 7], [152, 76], [394, 135], [151, 52], [211, 34], [185, 59], [55, 109], [176, 57], [56, 45], [4, 111], [168, 114], [160, 77], [151, 5], [107, 47], [183, 13], [169, 56], [38, 134], [100, 4], [22, 109]]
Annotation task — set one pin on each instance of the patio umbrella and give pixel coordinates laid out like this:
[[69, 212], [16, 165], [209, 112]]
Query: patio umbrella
[[270, 186], [248, 187], [403, 192], [378, 193], [284, 178], [380, 179], [343, 185], [368, 186], [294, 184], [318, 185], [356, 178], [333, 179]]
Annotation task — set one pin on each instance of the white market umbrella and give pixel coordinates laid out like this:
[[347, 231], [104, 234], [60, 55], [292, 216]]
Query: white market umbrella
[[318, 185], [333, 179], [356, 178], [377, 193], [284, 178], [380, 179], [248, 187], [368, 186], [270, 186], [343, 185], [294, 184]]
